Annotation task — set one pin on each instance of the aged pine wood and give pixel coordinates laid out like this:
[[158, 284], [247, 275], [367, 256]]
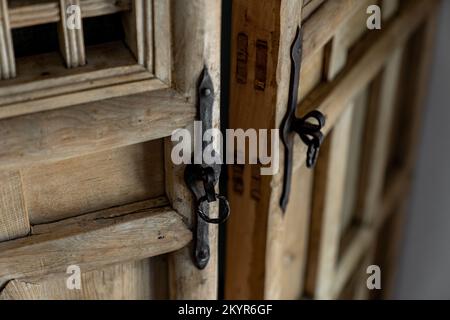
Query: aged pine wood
[[297, 216], [7, 61], [125, 281], [254, 251], [79, 185], [14, 222], [196, 25], [94, 127], [331, 98], [120, 234]]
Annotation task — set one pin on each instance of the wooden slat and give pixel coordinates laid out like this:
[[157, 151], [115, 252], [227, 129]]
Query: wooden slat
[[71, 40], [84, 129], [29, 13], [14, 221], [7, 61], [196, 31], [119, 234], [76, 186], [332, 98]]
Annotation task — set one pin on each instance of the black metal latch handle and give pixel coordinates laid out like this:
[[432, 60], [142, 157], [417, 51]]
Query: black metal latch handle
[[201, 179], [308, 128]]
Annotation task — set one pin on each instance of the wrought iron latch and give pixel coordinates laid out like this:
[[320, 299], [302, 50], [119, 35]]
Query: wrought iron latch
[[201, 179], [308, 131]]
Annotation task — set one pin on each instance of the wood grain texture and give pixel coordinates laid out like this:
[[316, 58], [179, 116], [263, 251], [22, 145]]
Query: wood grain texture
[[125, 281], [94, 127], [196, 31], [255, 250], [95, 240], [365, 62], [102, 180], [14, 221]]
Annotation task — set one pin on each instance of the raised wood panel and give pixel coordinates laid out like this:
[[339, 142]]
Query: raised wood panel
[[79, 185]]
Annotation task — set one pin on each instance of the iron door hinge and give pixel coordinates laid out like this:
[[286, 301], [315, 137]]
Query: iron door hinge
[[202, 179], [309, 132]]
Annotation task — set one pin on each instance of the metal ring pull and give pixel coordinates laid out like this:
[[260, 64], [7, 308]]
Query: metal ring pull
[[224, 211]]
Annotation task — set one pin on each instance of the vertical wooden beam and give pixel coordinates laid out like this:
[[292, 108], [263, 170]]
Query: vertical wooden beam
[[7, 61], [71, 39], [196, 31], [138, 27]]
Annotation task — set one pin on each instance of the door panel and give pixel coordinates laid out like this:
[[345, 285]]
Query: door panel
[[322, 245], [85, 169]]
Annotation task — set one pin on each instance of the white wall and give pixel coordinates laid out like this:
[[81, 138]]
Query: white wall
[[424, 266]]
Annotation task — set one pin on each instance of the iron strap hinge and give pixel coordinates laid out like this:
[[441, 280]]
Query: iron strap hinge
[[308, 131], [202, 179]]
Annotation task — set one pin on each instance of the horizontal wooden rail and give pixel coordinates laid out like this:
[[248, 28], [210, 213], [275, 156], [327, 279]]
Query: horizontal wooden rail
[[371, 54], [101, 79], [95, 240], [88, 128], [26, 13]]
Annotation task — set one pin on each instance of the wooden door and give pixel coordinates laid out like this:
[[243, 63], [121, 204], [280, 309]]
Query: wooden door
[[86, 177], [345, 214]]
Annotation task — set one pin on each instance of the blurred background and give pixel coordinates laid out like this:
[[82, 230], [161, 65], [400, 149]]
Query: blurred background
[[424, 261]]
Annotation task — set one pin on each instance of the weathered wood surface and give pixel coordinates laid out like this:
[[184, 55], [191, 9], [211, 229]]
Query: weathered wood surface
[[95, 240]]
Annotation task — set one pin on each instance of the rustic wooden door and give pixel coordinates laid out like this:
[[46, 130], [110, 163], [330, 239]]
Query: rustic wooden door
[[86, 178], [343, 215]]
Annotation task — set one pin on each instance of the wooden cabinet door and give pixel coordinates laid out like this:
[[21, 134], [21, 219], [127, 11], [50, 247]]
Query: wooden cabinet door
[[86, 178], [343, 215]]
